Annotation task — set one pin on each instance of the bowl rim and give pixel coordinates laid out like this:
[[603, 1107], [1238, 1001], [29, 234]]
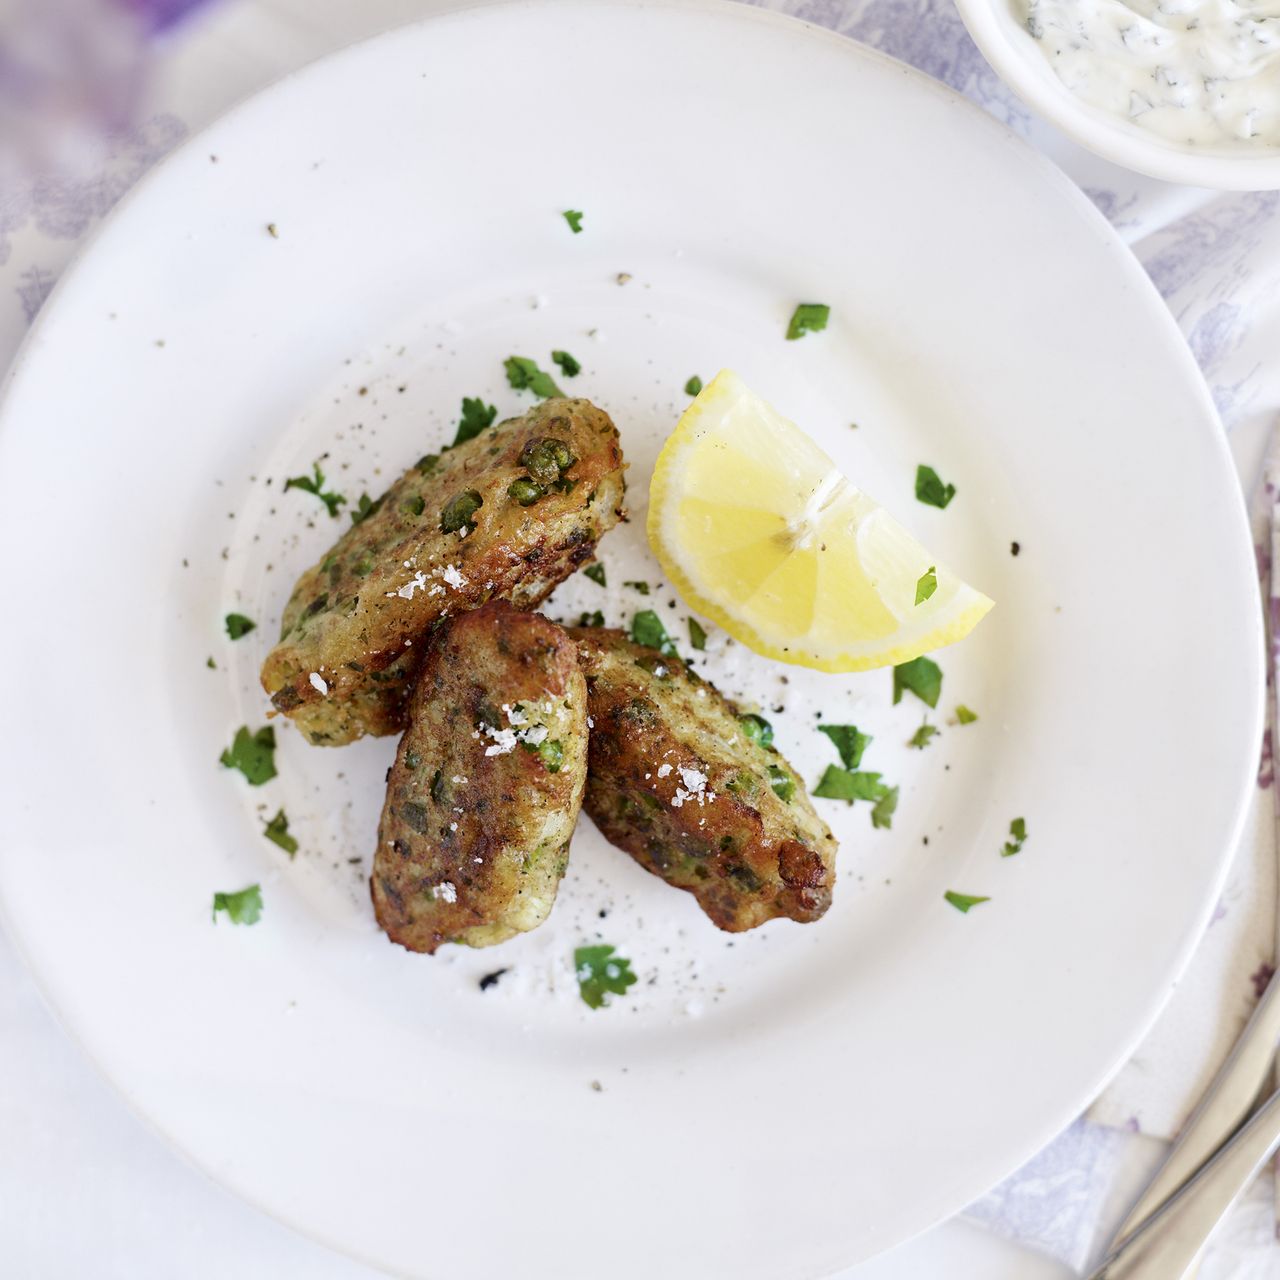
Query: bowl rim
[[1100, 132]]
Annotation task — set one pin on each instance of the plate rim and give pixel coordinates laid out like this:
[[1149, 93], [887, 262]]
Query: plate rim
[[1126, 263]]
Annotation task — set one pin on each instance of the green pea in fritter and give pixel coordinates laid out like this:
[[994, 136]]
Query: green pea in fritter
[[508, 514], [487, 783], [695, 792]]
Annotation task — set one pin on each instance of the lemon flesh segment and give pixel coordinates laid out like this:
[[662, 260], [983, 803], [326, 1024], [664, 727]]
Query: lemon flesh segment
[[759, 531]]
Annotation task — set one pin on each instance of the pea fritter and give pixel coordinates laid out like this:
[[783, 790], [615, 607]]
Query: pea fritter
[[508, 514], [694, 791], [487, 783]]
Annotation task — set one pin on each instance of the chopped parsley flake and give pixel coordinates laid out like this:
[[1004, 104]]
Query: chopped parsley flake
[[647, 629], [923, 735], [601, 971], [315, 484], [922, 676], [808, 317], [524, 375], [595, 619], [277, 831], [845, 784], [848, 742], [694, 386], [253, 754], [641, 587], [568, 365], [1018, 834], [964, 715], [574, 218], [364, 509], [697, 634], [963, 901], [476, 417], [927, 584], [884, 808], [849, 785], [242, 908], [596, 572], [552, 754], [238, 625], [931, 490], [209, 662]]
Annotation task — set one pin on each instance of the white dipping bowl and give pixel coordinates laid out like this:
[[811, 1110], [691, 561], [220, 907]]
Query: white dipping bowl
[[1006, 44]]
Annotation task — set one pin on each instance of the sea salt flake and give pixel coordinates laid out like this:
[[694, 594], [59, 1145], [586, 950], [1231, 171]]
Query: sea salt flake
[[318, 683], [454, 578], [416, 583]]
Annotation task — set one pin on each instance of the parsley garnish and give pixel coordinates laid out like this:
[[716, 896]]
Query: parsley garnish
[[574, 218], [930, 489], [599, 971], [848, 785], [843, 784], [596, 572], [209, 662], [315, 484], [641, 587], [848, 742], [277, 831], [568, 365], [920, 739], [595, 619], [697, 634], [964, 715], [922, 676], [963, 901], [524, 374], [1018, 832], [253, 754], [238, 625], [927, 584], [694, 386], [364, 509], [476, 416], [647, 629], [756, 729], [884, 809], [808, 317], [242, 908]]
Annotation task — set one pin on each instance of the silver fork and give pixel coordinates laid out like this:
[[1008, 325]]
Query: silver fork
[[1194, 1188]]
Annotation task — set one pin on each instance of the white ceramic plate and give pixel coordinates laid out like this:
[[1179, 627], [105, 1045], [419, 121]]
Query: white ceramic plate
[[781, 1103]]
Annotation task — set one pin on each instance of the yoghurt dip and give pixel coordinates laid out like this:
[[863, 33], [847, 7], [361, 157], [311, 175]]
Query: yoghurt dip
[[1205, 72]]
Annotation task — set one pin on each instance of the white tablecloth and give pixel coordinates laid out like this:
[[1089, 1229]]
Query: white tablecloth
[[85, 1190]]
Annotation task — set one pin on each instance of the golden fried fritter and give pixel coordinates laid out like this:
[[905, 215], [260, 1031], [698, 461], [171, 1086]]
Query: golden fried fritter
[[510, 514], [487, 783], [677, 779]]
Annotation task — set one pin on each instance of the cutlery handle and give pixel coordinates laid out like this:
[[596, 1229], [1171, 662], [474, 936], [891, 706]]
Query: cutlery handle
[[1166, 1245], [1225, 1104]]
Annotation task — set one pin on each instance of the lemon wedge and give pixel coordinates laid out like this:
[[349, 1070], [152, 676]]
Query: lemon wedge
[[760, 532]]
